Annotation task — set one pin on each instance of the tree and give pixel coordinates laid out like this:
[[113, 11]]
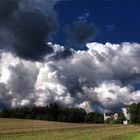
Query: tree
[[121, 118], [94, 117], [134, 110], [53, 111], [6, 113], [76, 115]]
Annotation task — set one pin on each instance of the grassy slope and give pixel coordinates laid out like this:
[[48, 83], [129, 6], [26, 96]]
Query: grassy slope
[[15, 129]]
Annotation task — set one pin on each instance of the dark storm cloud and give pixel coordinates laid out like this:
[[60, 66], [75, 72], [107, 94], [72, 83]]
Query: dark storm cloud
[[31, 30], [25, 33], [28, 25], [7, 7], [80, 32]]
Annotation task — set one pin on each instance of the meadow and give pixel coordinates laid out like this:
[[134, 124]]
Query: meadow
[[18, 129]]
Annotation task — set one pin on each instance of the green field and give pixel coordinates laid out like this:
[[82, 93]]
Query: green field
[[16, 129]]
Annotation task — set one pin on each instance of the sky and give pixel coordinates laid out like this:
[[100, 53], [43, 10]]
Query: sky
[[82, 53], [116, 21]]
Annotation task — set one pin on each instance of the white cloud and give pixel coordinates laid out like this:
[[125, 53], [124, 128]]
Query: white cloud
[[102, 76]]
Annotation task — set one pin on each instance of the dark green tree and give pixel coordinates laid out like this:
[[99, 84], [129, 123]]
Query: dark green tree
[[94, 117], [134, 110]]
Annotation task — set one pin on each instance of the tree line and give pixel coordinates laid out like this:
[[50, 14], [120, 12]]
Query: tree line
[[134, 110], [53, 112]]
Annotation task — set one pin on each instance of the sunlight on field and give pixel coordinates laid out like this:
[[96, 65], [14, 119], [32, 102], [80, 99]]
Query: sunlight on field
[[15, 129]]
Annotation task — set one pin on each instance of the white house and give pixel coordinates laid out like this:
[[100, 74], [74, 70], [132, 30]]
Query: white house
[[113, 116]]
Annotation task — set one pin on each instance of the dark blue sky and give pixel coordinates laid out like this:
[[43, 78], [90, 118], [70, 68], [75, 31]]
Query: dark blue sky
[[116, 21]]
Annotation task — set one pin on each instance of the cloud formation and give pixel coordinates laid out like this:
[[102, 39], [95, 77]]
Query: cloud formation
[[7, 8], [102, 76], [26, 26], [80, 32]]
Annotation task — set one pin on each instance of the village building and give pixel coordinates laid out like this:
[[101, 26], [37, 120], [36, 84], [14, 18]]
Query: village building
[[112, 116]]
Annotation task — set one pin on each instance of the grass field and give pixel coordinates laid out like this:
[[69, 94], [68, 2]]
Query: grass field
[[16, 129]]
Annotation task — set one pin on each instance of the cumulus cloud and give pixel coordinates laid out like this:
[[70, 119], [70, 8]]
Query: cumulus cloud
[[101, 77]]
